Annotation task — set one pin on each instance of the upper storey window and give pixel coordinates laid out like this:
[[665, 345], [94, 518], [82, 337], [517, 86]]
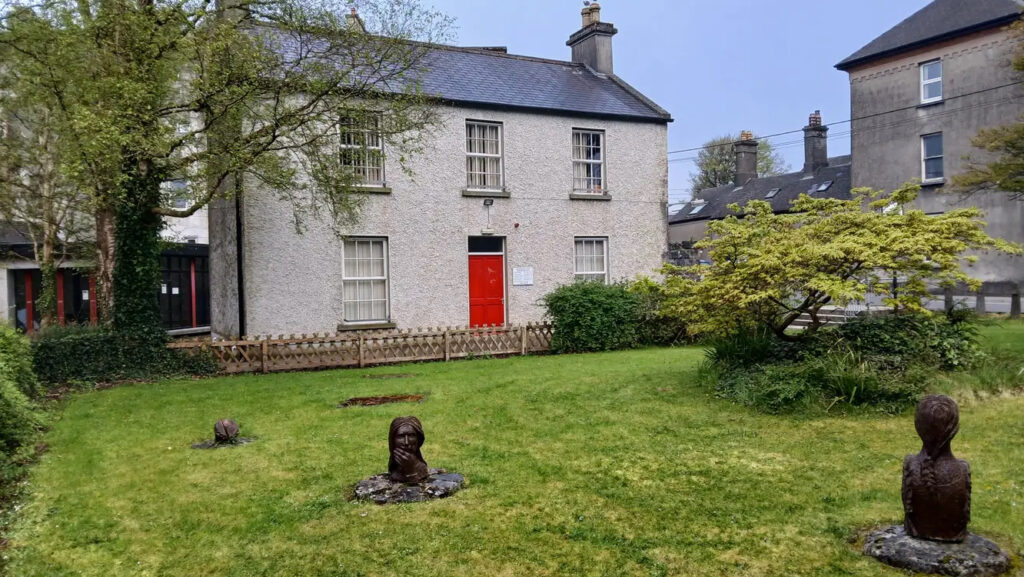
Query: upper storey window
[[361, 149], [588, 161], [931, 81], [931, 157], [483, 156]]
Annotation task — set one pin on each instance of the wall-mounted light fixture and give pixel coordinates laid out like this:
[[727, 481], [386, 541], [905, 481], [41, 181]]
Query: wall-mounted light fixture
[[488, 203]]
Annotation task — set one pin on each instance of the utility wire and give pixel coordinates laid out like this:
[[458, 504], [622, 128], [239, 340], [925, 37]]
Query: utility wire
[[868, 129], [865, 117]]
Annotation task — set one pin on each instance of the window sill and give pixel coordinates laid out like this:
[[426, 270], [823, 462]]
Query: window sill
[[933, 182], [372, 189], [930, 104], [346, 327], [590, 196], [483, 193]]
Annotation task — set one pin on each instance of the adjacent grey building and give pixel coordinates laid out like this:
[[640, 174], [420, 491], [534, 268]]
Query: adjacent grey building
[[542, 173], [921, 91]]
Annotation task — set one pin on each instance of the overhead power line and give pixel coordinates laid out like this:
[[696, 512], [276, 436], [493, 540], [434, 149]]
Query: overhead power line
[[876, 127], [865, 117]]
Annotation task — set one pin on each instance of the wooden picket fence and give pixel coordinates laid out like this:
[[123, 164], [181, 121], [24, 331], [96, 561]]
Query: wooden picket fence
[[370, 347]]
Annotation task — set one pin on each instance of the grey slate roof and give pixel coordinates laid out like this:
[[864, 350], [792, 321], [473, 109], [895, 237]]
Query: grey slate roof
[[791, 186], [940, 20], [491, 78], [13, 234]]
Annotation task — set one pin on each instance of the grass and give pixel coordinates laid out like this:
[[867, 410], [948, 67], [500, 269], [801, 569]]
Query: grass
[[601, 464]]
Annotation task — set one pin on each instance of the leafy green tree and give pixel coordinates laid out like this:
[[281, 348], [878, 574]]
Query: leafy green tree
[[1002, 169], [769, 269], [216, 95], [716, 163]]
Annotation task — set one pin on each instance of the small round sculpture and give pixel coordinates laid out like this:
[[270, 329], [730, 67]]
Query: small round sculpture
[[225, 434], [225, 431], [408, 479], [937, 506]]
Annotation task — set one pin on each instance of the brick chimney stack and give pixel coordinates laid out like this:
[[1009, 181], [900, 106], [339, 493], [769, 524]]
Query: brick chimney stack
[[745, 150], [815, 144], [592, 44]]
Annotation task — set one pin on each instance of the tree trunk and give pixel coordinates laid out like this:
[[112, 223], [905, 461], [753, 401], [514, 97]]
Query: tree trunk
[[137, 254], [47, 299], [105, 226]]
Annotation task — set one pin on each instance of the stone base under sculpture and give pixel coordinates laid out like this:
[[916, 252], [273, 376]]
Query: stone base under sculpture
[[975, 557], [381, 489]]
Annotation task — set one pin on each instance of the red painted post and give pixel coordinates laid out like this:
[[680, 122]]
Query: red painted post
[[60, 297], [30, 305], [192, 268], [94, 316]]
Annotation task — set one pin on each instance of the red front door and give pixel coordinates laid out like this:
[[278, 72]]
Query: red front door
[[486, 290]]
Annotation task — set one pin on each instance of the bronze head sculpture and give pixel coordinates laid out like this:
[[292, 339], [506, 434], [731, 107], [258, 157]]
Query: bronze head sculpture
[[936, 485], [406, 464], [225, 431]]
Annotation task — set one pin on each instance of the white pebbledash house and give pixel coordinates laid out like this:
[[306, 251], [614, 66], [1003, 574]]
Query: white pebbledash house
[[543, 172]]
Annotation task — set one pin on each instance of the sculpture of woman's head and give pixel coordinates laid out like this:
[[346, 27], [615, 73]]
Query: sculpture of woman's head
[[406, 433], [937, 422]]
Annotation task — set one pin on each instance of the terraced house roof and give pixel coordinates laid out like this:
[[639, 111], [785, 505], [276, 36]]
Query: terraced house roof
[[832, 181]]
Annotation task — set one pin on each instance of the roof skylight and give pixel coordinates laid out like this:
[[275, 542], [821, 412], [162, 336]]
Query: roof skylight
[[771, 193], [824, 186], [697, 209]]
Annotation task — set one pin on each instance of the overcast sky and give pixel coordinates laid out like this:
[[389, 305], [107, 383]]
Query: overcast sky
[[719, 66]]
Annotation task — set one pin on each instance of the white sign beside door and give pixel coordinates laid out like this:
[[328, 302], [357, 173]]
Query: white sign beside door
[[522, 276]]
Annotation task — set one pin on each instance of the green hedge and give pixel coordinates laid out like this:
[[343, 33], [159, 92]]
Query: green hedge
[[84, 355], [592, 316]]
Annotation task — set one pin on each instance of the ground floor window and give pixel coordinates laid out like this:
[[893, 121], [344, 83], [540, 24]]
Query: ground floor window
[[591, 256], [365, 280]]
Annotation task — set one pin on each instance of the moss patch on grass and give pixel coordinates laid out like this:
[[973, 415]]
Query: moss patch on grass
[[601, 464]]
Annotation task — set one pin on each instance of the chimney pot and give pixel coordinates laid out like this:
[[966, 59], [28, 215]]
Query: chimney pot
[[591, 14], [745, 150]]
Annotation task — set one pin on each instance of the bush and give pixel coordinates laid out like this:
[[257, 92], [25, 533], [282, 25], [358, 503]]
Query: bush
[[654, 326], [592, 316], [884, 362], [949, 341], [72, 355], [19, 419], [16, 352]]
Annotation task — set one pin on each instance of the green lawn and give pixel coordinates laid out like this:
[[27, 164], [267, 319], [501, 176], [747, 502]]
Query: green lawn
[[605, 464]]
